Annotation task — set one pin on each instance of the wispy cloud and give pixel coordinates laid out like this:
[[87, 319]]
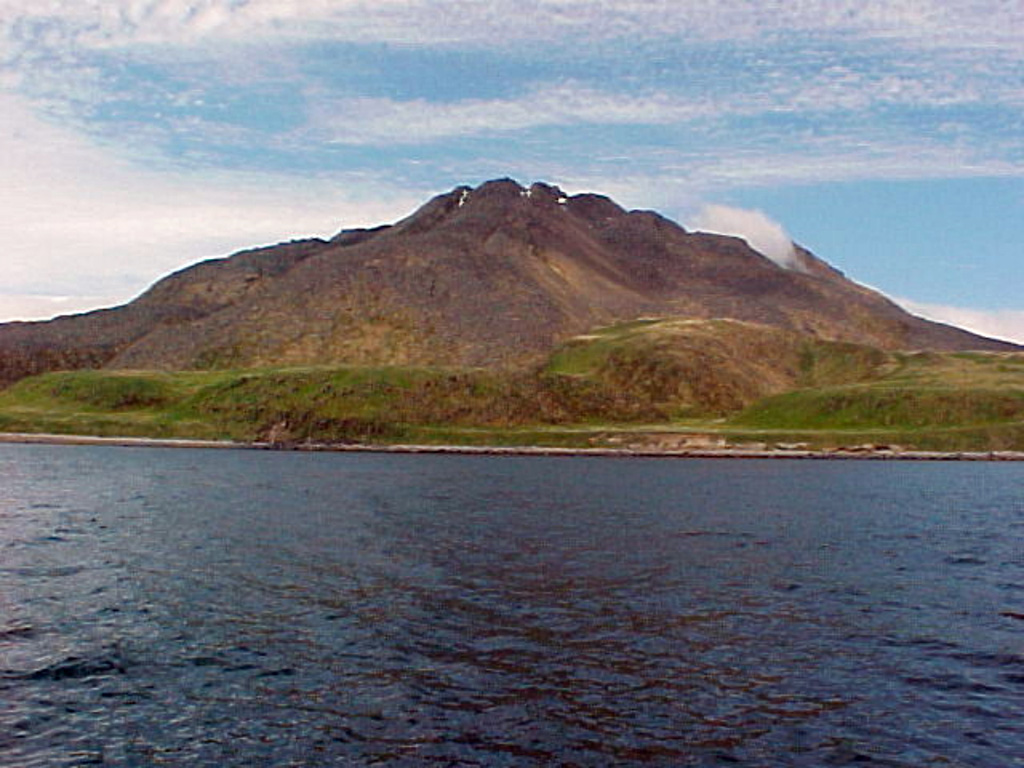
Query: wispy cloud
[[845, 74], [388, 121], [934, 22], [570, 103]]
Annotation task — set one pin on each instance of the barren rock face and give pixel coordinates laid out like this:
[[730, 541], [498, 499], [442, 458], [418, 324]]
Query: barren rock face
[[492, 276]]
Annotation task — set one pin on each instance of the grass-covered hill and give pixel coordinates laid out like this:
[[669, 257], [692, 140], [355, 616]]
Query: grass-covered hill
[[650, 383]]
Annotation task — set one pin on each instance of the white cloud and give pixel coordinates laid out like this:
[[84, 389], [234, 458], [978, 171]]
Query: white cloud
[[833, 79], [79, 223], [387, 121], [763, 234], [844, 158], [828, 99], [925, 22], [1007, 324]]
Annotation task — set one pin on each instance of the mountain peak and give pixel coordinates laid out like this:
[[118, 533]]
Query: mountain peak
[[499, 189], [507, 191], [500, 198]]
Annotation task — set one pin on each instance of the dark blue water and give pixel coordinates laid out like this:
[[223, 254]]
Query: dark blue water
[[163, 607]]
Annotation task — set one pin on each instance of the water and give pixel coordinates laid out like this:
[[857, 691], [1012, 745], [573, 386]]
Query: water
[[226, 608]]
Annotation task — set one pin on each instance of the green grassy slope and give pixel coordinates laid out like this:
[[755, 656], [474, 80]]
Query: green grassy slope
[[136, 404], [635, 383], [954, 401], [331, 404]]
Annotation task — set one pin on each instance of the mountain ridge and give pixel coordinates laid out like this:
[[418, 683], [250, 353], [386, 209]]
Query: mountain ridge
[[493, 276]]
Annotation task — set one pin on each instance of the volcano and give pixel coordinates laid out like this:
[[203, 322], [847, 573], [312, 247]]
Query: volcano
[[494, 276]]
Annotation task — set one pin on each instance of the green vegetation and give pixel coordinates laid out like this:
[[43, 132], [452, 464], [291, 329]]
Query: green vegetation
[[867, 406], [133, 404], [933, 401], [324, 404], [652, 383]]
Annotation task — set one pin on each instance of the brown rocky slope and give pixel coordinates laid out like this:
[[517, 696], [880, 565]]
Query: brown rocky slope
[[492, 276]]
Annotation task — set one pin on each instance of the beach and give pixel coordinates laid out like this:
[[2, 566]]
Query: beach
[[724, 452]]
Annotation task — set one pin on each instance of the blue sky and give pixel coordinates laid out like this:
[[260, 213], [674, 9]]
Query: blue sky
[[142, 135]]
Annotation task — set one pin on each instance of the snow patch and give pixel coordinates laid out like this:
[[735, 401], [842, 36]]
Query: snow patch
[[464, 197]]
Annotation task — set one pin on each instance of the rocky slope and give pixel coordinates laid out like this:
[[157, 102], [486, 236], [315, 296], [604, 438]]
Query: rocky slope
[[494, 276]]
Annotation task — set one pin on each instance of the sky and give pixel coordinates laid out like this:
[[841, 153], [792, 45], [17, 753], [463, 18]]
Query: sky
[[139, 136]]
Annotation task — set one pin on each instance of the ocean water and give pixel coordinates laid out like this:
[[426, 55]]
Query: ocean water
[[234, 608]]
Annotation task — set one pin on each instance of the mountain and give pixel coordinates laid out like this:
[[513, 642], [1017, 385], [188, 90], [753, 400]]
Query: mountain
[[495, 276]]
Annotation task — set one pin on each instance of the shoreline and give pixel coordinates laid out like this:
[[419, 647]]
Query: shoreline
[[861, 454]]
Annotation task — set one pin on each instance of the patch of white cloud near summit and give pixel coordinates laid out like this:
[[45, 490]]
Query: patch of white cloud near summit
[[763, 234]]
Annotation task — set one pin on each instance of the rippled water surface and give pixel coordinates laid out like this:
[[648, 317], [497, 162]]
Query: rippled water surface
[[163, 607]]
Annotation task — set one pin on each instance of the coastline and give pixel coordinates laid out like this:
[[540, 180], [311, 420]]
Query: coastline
[[860, 454]]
